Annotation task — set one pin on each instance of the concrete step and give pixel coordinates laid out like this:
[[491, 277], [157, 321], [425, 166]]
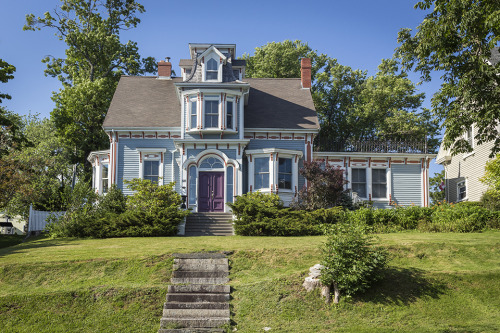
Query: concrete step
[[199, 288], [197, 298], [209, 228], [196, 313], [200, 267], [194, 322], [194, 261], [196, 305], [200, 274], [199, 280]]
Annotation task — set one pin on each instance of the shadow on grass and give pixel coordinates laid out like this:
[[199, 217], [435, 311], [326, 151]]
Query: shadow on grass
[[35, 242], [402, 286]]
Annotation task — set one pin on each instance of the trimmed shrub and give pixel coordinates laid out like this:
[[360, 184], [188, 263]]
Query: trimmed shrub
[[260, 214], [152, 210], [461, 217]]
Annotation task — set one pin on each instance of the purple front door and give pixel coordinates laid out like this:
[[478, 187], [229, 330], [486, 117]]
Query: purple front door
[[211, 192]]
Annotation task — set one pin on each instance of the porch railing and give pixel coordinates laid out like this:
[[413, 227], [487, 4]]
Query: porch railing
[[372, 146]]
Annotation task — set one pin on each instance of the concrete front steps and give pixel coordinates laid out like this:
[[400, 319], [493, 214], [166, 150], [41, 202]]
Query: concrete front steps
[[209, 224], [198, 299]]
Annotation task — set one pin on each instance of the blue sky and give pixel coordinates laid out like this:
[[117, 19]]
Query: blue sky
[[359, 33]]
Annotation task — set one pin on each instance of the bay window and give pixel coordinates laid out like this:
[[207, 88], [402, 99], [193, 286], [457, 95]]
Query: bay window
[[193, 112], [285, 173], [211, 114], [229, 114], [261, 173]]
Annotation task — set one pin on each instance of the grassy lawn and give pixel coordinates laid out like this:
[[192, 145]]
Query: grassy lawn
[[436, 283]]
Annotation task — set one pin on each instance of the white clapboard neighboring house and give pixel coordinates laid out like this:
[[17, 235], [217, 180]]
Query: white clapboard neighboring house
[[218, 134]]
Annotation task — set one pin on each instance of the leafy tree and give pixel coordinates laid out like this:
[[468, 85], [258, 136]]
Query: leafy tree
[[95, 60], [39, 173], [6, 73], [325, 187], [11, 135], [351, 260], [282, 60], [352, 106], [457, 39], [437, 194]]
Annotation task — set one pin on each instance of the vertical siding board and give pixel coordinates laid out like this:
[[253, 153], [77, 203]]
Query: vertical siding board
[[407, 184]]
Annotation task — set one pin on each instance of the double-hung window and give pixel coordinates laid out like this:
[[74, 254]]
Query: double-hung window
[[229, 114], [104, 178], [285, 173], [193, 114], [379, 183], [261, 173], [461, 191], [151, 170], [211, 114], [358, 181], [212, 72]]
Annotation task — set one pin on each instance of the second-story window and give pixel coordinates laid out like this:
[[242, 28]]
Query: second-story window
[[211, 114], [212, 72], [192, 112], [229, 114]]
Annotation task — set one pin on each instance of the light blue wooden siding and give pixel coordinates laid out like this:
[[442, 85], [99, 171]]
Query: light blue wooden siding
[[281, 144], [230, 153], [406, 184], [128, 160], [381, 205]]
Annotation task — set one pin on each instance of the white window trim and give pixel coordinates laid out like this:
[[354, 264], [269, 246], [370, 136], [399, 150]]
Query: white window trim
[[215, 57], [143, 152], [205, 100], [273, 154], [192, 99], [367, 182], [466, 191]]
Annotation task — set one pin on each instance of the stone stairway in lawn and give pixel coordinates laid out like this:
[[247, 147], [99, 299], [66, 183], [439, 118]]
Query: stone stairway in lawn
[[198, 298], [209, 224]]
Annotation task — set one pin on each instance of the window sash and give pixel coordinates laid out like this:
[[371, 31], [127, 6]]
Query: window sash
[[151, 170], [358, 182], [193, 113], [211, 72], [462, 190], [229, 184], [229, 114], [211, 114], [105, 178], [379, 183], [261, 173], [192, 185], [285, 173]]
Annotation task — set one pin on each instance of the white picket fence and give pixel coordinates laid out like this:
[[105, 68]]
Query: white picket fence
[[38, 219]]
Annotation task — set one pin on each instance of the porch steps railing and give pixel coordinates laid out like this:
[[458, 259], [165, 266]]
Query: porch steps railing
[[198, 298], [209, 224]]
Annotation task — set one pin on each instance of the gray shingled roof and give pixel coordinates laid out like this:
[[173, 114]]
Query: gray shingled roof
[[279, 103], [186, 62], [149, 102], [141, 101]]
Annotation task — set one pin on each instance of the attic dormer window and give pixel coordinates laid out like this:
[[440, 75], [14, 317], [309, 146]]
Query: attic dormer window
[[212, 70]]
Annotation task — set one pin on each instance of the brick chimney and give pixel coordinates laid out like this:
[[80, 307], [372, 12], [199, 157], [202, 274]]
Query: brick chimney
[[165, 69], [305, 73]]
